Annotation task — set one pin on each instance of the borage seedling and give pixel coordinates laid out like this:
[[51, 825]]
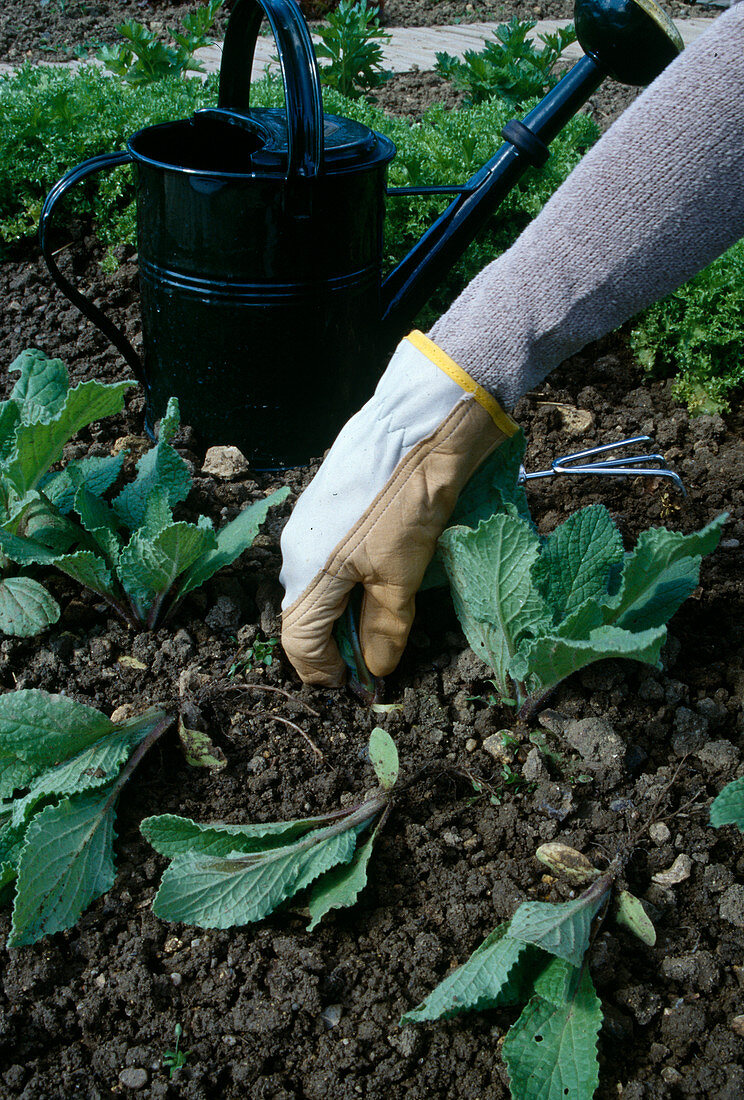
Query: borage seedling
[[40, 416], [62, 768], [537, 610], [224, 875], [131, 551], [540, 958]]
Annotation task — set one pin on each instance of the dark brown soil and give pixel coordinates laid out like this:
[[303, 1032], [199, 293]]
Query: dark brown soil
[[270, 1011]]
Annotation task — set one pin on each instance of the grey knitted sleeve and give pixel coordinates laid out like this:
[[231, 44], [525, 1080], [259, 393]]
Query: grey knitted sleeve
[[653, 202]]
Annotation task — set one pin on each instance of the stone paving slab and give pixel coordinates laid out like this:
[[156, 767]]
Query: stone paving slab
[[416, 47]]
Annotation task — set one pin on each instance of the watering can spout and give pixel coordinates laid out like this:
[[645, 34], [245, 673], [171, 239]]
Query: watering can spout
[[631, 41]]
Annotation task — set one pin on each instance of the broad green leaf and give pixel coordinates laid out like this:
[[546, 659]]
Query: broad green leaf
[[549, 659], [159, 468], [486, 980], [100, 521], [384, 757], [158, 514], [38, 446], [551, 1051], [11, 844], [575, 562], [15, 775], [171, 835], [7, 876], [495, 600], [239, 889], [494, 487], [66, 863], [149, 567], [232, 540], [199, 749], [97, 474], [45, 729], [340, 887], [10, 415], [727, 807], [631, 914], [563, 928], [660, 574], [41, 390], [55, 531], [26, 608]]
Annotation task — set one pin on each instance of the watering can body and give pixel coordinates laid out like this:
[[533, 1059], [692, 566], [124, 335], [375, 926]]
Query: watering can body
[[260, 239]]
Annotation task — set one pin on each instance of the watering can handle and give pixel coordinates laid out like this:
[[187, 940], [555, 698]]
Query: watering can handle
[[300, 76], [93, 313]]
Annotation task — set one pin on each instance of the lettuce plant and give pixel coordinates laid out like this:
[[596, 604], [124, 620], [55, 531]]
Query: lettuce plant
[[132, 552], [223, 875], [62, 768], [40, 416], [538, 609]]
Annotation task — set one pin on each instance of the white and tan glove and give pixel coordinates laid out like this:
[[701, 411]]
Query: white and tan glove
[[378, 504]]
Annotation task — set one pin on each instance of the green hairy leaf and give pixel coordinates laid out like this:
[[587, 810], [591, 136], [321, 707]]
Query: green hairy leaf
[[62, 765], [538, 611], [551, 1051], [727, 808], [173, 836], [160, 468], [26, 607], [41, 390], [561, 929], [340, 888], [384, 757]]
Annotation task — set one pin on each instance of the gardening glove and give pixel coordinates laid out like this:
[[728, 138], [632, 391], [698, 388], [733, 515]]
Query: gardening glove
[[378, 504]]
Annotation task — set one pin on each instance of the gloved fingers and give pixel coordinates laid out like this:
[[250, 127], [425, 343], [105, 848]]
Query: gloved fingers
[[384, 625], [307, 631]]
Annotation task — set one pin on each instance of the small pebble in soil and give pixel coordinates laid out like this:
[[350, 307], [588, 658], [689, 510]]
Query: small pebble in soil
[[678, 872], [133, 1078], [731, 907], [659, 833], [331, 1015]]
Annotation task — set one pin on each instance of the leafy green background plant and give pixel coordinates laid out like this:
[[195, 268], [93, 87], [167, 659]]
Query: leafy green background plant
[[510, 65], [132, 552], [40, 416], [537, 610], [224, 875], [143, 58], [698, 332], [62, 768], [350, 41]]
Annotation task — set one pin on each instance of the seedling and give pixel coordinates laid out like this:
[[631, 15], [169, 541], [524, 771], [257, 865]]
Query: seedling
[[173, 1060], [537, 610], [225, 875], [540, 958], [40, 416], [132, 552], [260, 652], [62, 768]]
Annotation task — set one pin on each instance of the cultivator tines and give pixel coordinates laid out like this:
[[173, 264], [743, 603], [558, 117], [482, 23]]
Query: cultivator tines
[[634, 465]]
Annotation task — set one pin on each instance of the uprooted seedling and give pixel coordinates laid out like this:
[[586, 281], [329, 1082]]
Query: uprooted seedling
[[540, 959], [62, 768], [536, 609], [224, 875], [131, 551]]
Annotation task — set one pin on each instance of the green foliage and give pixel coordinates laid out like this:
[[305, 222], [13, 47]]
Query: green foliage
[[223, 875], [40, 416], [698, 332], [62, 767], [260, 652], [728, 807], [509, 66], [143, 59], [539, 958], [350, 41], [173, 1060], [50, 119], [132, 551], [537, 610]]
